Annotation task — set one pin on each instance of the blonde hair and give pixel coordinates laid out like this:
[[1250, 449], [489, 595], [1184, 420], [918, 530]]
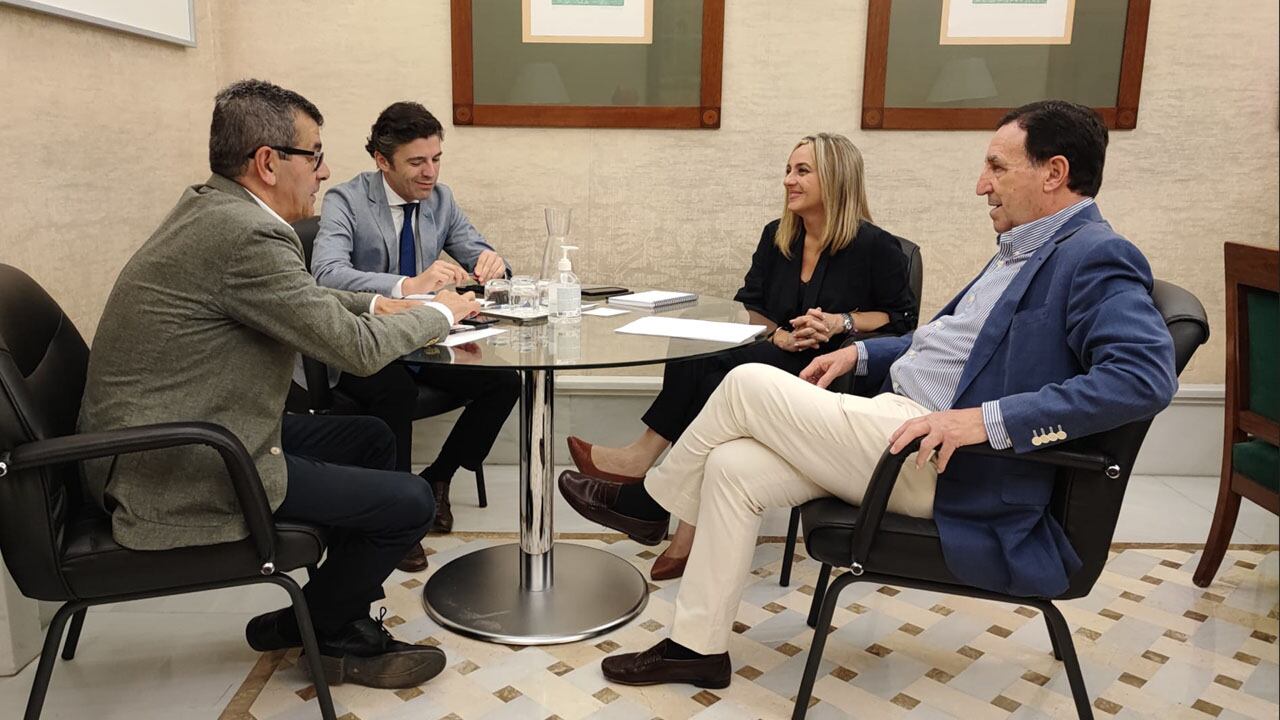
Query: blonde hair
[[844, 195]]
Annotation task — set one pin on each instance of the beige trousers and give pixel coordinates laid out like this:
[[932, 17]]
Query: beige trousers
[[768, 439]]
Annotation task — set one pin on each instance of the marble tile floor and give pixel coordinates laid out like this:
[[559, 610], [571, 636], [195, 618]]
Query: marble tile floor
[[184, 657]]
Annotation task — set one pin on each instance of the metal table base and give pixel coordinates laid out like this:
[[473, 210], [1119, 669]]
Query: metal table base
[[536, 592], [479, 595]]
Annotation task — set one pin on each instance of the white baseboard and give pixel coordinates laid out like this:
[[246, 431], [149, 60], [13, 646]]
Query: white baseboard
[[1185, 439]]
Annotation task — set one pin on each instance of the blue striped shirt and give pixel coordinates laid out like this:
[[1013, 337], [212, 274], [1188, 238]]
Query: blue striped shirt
[[929, 372]]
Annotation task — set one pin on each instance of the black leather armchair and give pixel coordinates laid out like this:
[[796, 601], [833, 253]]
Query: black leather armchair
[[57, 544], [889, 549], [319, 399], [847, 384]]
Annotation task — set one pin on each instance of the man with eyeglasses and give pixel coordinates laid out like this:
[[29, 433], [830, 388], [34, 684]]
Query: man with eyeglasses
[[204, 323], [384, 231]]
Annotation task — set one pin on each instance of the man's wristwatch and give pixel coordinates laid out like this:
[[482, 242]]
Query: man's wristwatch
[[848, 321]]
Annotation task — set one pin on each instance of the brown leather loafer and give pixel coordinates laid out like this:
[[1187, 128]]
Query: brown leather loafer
[[413, 561], [651, 668], [443, 522], [580, 451], [594, 499], [666, 567]]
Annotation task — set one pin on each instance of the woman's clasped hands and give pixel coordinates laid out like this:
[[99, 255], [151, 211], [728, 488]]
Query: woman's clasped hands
[[811, 330]]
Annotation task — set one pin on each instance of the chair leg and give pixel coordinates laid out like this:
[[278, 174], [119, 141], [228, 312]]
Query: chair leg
[[819, 642], [44, 670], [310, 648], [789, 550], [1053, 638], [1061, 634], [480, 493], [73, 634], [819, 590], [1215, 546]]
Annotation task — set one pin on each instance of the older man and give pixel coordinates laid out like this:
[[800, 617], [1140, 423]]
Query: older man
[[1056, 338], [204, 323]]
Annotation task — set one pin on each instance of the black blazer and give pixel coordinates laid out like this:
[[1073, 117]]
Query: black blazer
[[870, 273]]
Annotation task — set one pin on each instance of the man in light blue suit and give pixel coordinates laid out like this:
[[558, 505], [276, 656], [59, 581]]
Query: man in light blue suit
[[1056, 339], [383, 231]]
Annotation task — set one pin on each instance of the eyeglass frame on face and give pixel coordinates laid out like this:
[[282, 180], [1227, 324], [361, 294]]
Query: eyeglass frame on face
[[317, 155]]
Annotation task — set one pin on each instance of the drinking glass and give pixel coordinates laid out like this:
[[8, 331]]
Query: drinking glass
[[524, 292], [544, 294], [498, 292]]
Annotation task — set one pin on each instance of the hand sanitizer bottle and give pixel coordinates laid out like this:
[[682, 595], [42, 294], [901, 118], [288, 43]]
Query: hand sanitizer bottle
[[567, 291]]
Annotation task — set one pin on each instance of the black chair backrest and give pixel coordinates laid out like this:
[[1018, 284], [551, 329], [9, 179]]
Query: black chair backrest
[[307, 229], [1087, 504], [915, 274], [43, 364]]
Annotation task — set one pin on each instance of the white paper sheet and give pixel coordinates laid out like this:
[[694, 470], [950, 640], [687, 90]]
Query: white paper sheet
[[460, 338], [692, 329], [604, 312]]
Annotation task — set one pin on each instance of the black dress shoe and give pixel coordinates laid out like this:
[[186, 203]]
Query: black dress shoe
[[364, 653], [443, 522], [651, 667], [413, 561], [594, 499], [276, 630]]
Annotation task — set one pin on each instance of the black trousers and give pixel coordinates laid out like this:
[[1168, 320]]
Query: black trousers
[[686, 385], [392, 394], [340, 476]]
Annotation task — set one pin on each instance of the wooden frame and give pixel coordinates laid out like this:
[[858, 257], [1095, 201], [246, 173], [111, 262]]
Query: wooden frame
[[1245, 267], [875, 116], [705, 116]]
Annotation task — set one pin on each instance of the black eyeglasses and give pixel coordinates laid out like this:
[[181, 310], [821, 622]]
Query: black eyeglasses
[[317, 156]]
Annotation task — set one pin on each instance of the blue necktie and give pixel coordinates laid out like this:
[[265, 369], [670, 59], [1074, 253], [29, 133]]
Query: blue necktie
[[408, 247]]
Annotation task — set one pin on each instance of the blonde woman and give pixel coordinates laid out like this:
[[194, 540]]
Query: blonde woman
[[820, 273]]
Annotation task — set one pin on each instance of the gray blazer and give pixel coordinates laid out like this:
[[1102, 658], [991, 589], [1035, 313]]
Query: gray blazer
[[204, 323], [357, 247]]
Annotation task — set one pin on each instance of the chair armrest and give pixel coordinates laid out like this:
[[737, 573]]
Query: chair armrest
[[86, 446], [319, 394], [876, 499]]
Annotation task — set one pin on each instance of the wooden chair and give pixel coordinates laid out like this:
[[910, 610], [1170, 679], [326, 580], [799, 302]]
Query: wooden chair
[[1250, 458]]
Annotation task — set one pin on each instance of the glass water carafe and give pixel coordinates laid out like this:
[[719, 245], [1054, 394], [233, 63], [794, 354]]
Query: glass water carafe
[[557, 234]]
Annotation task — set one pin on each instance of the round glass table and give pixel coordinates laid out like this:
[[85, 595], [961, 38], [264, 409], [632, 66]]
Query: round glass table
[[537, 591]]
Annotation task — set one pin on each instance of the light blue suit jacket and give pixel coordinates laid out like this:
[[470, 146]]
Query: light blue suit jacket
[[1073, 347], [357, 247]]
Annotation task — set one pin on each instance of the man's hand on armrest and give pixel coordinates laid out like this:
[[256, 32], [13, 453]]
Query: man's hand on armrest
[[942, 431], [826, 368]]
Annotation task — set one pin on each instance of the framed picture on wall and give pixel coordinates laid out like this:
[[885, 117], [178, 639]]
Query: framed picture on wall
[[1006, 22], [588, 63], [962, 64], [587, 21]]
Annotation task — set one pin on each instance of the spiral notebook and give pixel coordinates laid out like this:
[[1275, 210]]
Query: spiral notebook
[[653, 299]]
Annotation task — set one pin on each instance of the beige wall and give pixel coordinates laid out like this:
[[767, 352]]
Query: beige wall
[[101, 130]]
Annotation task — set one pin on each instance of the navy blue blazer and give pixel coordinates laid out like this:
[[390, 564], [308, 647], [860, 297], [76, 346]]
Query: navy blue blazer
[[1074, 347]]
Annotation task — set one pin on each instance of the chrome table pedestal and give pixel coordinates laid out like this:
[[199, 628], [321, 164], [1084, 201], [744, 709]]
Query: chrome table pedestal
[[535, 592]]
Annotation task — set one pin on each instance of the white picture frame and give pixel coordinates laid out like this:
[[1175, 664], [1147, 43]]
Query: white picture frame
[[588, 21], [1007, 22], [168, 20]]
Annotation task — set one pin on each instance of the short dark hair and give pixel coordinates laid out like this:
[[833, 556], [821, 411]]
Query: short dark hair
[[249, 114], [401, 123], [1058, 127]]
